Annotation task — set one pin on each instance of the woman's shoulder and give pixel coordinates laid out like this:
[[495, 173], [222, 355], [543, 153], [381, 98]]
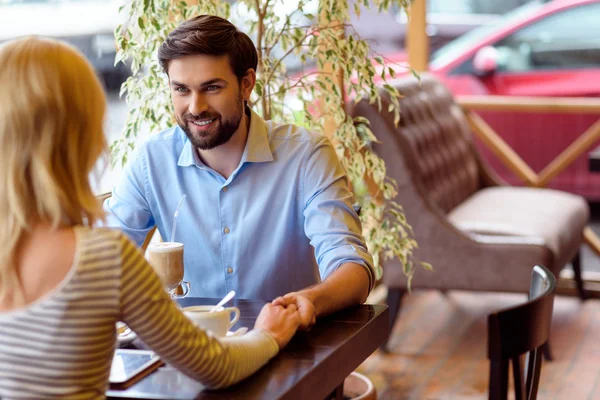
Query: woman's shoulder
[[99, 233], [101, 239]]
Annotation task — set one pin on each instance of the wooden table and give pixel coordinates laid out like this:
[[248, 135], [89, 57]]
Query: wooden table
[[312, 366]]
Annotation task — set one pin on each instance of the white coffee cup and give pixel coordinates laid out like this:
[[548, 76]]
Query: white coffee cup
[[218, 322]]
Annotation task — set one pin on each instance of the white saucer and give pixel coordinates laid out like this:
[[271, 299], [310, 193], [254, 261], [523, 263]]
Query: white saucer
[[238, 332], [127, 337]]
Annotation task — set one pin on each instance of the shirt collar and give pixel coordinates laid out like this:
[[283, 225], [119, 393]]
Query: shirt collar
[[257, 147], [188, 155]]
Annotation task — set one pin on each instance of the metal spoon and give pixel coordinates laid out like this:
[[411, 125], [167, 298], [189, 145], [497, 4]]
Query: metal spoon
[[224, 300]]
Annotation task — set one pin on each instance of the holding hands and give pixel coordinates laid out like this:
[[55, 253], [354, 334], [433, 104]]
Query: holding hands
[[303, 304], [285, 315], [279, 322]]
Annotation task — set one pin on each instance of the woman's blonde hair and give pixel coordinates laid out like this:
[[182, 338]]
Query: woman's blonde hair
[[51, 135]]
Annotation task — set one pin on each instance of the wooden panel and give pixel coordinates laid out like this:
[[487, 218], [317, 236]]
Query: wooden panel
[[417, 41], [569, 155], [572, 105], [502, 150], [592, 240]]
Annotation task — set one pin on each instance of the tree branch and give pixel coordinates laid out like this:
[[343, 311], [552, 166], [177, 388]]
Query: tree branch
[[287, 23], [299, 44], [259, 49]]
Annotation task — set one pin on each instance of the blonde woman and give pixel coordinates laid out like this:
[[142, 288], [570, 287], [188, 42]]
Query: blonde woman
[[63, 284]]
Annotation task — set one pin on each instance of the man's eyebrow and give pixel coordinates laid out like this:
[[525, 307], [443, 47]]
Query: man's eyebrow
[[212, 82], [203, 84]]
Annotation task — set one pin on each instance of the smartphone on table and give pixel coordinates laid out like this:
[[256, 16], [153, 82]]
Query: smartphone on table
[[129, 366]]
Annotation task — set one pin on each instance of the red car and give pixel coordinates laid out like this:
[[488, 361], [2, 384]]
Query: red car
[[544, 48]]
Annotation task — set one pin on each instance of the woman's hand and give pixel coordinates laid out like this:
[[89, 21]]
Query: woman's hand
[[279, 322]]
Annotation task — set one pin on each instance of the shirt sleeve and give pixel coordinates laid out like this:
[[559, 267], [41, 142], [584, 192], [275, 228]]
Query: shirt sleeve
[[128, 209], [330, 221], [149, 311]]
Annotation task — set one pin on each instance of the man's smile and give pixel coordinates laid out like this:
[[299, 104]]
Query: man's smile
[[203, 123]]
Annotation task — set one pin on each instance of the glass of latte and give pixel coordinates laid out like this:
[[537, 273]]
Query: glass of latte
[[167, 260]]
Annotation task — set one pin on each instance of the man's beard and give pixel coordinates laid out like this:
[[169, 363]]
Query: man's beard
[[219, 133]]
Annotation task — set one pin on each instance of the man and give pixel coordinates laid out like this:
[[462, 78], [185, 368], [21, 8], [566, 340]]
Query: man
[[269, 210]]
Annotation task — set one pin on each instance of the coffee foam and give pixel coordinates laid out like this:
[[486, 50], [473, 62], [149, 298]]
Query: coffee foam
[[164, 246]]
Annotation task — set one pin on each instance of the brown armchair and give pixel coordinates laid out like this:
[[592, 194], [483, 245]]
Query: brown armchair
[[478, 233]]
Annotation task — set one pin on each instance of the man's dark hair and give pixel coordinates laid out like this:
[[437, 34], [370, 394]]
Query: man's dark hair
[[209, 35]]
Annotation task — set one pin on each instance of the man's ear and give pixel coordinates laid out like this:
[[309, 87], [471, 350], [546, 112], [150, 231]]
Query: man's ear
[[247, 83]]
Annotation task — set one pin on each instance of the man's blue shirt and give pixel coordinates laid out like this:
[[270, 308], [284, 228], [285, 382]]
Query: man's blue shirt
[[281, 222]]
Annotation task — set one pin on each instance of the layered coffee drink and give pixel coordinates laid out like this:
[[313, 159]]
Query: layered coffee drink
[[167, 260]]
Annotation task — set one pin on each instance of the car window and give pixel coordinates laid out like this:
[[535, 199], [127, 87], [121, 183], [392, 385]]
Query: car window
[[473, 6], [459, 46], [570, 39]]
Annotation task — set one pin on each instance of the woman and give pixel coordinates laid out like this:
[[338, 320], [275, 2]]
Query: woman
[[63, 284]]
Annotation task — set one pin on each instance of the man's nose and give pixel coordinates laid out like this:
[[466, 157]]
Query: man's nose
[[198, 105]]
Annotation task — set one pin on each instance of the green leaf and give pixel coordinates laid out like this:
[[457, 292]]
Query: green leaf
[[259, 87], [426, 266], [155, 24], [415, 74]]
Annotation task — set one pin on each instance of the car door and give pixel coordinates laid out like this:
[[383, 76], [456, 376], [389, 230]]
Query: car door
[[556, 56]]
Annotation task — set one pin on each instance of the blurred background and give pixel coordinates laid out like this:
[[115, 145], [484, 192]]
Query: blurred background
[[534, 48]]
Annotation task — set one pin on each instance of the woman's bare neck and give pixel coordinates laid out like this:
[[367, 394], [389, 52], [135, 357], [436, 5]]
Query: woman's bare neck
[[43, 259]]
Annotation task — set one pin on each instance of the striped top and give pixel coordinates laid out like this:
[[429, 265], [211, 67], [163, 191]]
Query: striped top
[[62, 345]]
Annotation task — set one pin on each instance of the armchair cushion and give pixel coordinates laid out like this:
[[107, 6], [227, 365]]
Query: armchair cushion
[[549, 214]]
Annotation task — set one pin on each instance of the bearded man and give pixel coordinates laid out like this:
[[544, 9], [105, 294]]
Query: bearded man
[[269, 211]]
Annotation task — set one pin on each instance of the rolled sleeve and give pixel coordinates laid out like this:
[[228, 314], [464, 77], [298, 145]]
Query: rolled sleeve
[[127, 209], [330, 222]]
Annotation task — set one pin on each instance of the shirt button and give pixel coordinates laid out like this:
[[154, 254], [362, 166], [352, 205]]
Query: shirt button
[[224, 189], [226, 230], [230, 270]]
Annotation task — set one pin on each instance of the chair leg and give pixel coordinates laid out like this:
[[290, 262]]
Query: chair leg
[[498, 389], [394, 301], [577, 274], [547, 351]]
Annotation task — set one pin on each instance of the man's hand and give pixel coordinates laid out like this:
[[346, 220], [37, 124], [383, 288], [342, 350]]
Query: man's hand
[[279, 322], [305, 307]]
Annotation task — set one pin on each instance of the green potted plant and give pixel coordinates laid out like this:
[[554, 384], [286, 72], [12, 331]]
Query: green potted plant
[[312, 33]]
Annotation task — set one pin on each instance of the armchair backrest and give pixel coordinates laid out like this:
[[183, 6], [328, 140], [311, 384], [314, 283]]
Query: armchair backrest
[[434, 138], [432, 157]]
